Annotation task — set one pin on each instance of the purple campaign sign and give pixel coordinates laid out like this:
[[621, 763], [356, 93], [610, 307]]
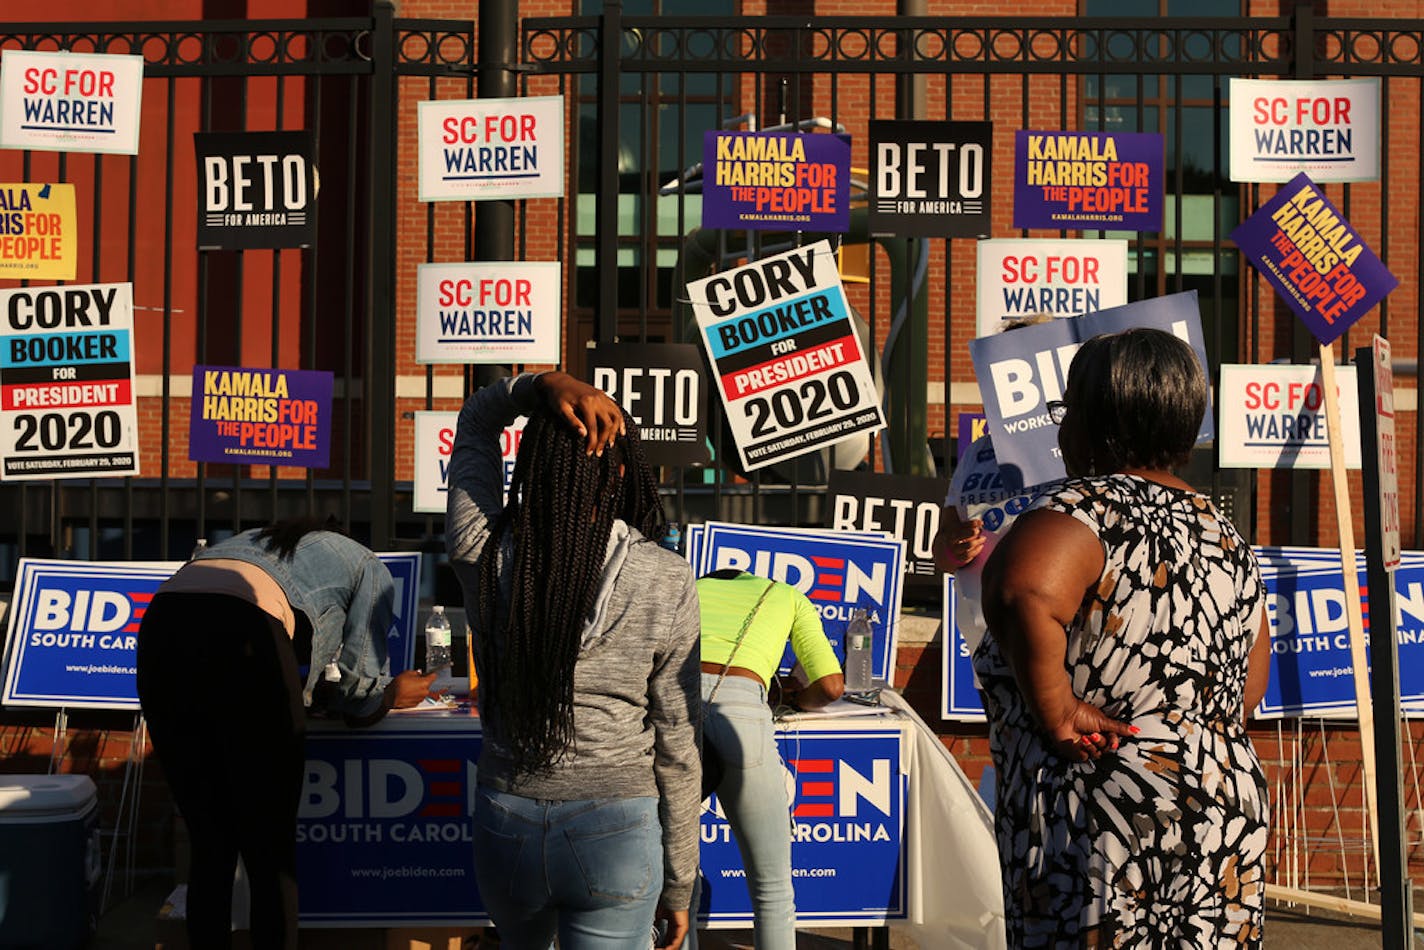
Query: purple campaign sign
[[1088, 181], [260, 416], [776, 181], [1319, 265]]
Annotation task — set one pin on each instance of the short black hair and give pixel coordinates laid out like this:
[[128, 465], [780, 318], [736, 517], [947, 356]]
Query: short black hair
[[1140, 396]]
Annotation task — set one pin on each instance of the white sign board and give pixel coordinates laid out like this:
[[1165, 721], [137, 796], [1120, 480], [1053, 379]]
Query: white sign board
[[495, 312], [1329, 129], [1273, 416], [70, 102], [479, 149], [1386, 454], [788, 362], [434, 439], [1020, 278]]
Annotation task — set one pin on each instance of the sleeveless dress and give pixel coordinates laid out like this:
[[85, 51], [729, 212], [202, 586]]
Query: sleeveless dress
[[1161, 843]]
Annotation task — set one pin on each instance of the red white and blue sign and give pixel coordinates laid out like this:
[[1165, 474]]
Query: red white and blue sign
[[836, 570], [72, 637], [1314, 258], [848, 863]]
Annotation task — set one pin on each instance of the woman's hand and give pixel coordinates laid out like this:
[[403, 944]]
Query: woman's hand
[[957, 542], [588, 410], [1086, 732]]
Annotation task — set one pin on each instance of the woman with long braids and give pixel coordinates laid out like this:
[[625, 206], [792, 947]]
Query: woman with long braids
[[586, 635]]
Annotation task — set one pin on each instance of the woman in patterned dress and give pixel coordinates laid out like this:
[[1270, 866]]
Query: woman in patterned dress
[[1126, 644]]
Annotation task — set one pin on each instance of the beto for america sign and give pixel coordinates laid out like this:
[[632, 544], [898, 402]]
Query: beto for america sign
[[931, 179], [256, 189]]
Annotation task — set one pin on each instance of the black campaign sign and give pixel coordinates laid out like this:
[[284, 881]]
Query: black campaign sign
[[661, 385], [930, 179], [256, 189], [905, 506]]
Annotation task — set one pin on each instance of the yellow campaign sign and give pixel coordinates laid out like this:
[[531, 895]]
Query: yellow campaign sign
[[38, 232]]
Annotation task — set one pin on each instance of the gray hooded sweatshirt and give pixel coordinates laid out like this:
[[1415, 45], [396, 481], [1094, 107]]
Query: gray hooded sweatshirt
[[637, 681]]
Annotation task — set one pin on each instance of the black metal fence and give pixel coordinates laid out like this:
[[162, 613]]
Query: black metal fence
[[640, 91]]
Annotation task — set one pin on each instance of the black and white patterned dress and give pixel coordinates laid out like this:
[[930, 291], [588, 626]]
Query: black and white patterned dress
[[1161, 843]]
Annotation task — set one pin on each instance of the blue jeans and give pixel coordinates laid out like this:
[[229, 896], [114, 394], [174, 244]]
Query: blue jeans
[[753, 797], [589, 870]]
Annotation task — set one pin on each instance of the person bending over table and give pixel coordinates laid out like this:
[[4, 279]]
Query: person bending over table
[[1126, 643], [746, 621], [218, 650]]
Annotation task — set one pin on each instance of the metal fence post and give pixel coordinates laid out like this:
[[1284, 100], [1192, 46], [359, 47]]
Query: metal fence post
[[610, 42], [380, 356]]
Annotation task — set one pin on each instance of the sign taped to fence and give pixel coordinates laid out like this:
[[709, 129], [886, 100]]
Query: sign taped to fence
[[254, 416], [775, 181], [836, 570], [1019, 373], [930, 179], [848, 796], [958, 691], [790, 369], [1327, 128], [70, 102], [906, 507], [38, 232], [72, 628], [256, 189], [1089, 181], [434, 441], [484, 149], [1021, 277], [1315, 260], [67, 407], [495, 312], [661, 386], [1273, 416]]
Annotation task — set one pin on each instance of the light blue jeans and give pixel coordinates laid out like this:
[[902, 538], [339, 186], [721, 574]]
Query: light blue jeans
[[753, 797], [589, 870]]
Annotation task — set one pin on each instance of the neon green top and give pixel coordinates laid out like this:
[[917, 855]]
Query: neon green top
[[785, 613]]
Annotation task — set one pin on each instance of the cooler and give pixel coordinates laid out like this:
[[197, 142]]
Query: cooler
[[49, 861]]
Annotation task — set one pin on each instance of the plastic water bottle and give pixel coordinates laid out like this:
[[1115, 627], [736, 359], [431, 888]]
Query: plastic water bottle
[[672, 538], [858, 637], [199, 548], [437, 641]]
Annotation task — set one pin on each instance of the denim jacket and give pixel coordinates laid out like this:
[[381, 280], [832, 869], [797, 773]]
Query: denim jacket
[[348, 596]]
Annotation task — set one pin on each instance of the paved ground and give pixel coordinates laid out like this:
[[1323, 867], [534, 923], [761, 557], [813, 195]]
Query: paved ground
[[129, 925]]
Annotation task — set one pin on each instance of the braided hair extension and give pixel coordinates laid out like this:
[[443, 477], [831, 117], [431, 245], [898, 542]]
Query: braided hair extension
[[562, 503]]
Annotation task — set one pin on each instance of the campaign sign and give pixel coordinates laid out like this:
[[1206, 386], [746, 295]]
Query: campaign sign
[[1315, 260], [661, 386], [1020, 278], [484, 149], [848, 862], [1328, 129], [70, 102], [257, 416], [256, 189], [930, 179], [1273, 416], [1088, 181], [400, 640], [384, 833], [1311, 672], [969, 427], [73, 632], [1020, 372], [495, 312], [790, 371], [836, 570], [67, 406], [38, 232], [961, 700], [434, 440], [775, 181], [906, 507]]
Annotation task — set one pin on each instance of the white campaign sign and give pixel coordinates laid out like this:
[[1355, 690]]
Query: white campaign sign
[[1019, 277], [1329, 129], [496, 312], [434, 440], [789, 366], [1273, 416], [70, 102], [478, 149]]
